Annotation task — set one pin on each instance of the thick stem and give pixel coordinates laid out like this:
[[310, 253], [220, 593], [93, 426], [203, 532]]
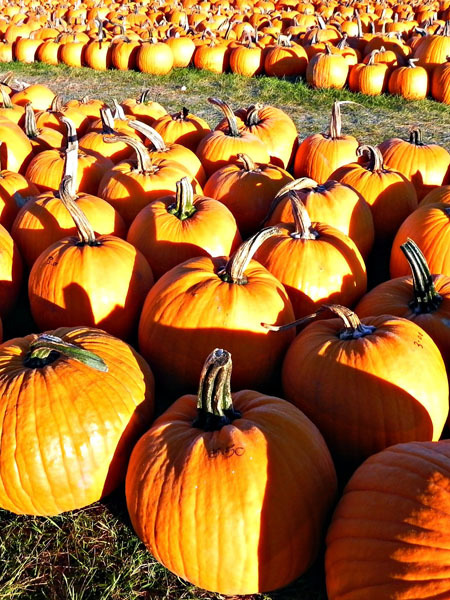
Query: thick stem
[[375, 158], [72, 138], [303, 227], [415, 136], [144, 97], [183, 207], [247, 163], [234, 270], [151, 134], [85, 231], [118, 111], [47, 348], [107, 121], [31, 129], [412, 63], [6, 100], [426, 299], [57, 104], [336, 121], [293, 186], [214, 402], [253, 117], [229, 115], [144, 162]]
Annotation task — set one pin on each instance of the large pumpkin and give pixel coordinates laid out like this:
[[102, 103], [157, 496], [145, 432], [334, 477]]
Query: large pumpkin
[[388, 538], [231, 491], [73, 402]]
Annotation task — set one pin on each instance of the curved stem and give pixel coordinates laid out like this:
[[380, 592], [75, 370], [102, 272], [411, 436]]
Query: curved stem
[[426, 299], [57, 104], [144, 97], [151, 134], [247, 162], [144, 162], [85, 231], [253, 117], [412, 63], [353, 328], [31, 129], [6, 100], [375, 158], [234, 270], [303, 227], [293, 186], [72, 138], [107, 121], [47, 348], [214, 402], [184, 204], [229, 115]]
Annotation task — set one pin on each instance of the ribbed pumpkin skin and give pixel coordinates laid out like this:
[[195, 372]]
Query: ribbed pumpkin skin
[[338, 205], [190, 310], [67, 430], [319, 155], [166, 241], [368, 393], [389, 534], [100, 286], [226, 521], [13, 187], [329, 269], [429, 227], [393, 297], [10, 271]]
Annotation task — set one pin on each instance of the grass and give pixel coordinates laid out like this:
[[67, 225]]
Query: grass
[[93, 554], [371, 120]]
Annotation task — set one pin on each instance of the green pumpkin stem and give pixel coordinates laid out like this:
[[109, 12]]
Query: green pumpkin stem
[[214, 403], [426, 299], [183, 208], [234, 270], [229, 115], [85, 231], [47, 348]]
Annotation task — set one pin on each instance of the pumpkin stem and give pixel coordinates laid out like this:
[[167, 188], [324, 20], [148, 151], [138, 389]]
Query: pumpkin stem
[[234, 270], [214, 403], [57, 104], [144, 97], [7, 103], [335, 128], [183, 208], [144, 163], [253, 117], [151, 134], [426, 299], [303, 227], [72, 138], [31, 129], [107, 121], [47, 348], [353, 328], [247, 163], [415, 136], [293, 186], [85, 231], [375, 158], [229, 115]]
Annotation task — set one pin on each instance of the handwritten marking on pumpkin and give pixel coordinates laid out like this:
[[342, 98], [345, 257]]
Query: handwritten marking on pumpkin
[[226, 451]]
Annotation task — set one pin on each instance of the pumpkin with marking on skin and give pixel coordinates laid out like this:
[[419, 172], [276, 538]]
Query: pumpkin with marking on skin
[[220, 463], [101, 281], [73, 403], [390, 362]]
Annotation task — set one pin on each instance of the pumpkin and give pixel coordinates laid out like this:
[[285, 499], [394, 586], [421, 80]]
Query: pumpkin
[[101, 281], [229, 455], [182, 128], [15, 190], [247, 189], [143, 108], [10, 272], [370, 79], [425, 165], [320, 154], [390, 195], [221, 147], [390, 361], [174, 228], [207, 300], [39, 95], [43, 138], [16, 149], [73, 403], [387, 537], [316, 263], [411, 82], [285, 59], [155, 58], [327, 70]]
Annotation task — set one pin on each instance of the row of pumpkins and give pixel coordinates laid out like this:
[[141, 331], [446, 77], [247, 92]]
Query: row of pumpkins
[[372, 47], [365, 385]]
